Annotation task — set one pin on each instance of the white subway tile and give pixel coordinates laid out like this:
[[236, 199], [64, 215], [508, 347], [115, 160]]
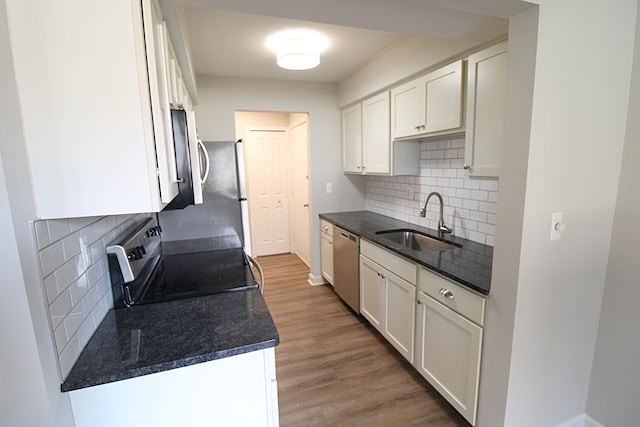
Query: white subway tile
[[69, 356], [487, 228], [60, 337], [457, 143], [493, 196], [477, 237], [471, 205], [444, 144], [51, 288], [451, 154], [51, 258], [79, 289], [73, 321], [480, 195], [60, 308], [487, 207], [85, 331], [490, 240], [478, 216], [489, 185], [463, 194], [42, 233], [472, 184], [71, 245], [491, 219], [450, 173], [58, 228]]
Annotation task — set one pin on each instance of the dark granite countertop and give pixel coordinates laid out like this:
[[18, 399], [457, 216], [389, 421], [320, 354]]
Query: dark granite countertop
[[469, 265], [145, 339]]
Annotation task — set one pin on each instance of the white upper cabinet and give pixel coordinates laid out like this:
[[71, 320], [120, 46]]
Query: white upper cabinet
[[95, 117], [366, 141], [352, 139], [486, 90], [429, 105], [376, 141]]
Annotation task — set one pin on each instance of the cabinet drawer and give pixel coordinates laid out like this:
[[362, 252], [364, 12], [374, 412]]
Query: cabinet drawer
[[326, 228], [456, 297], [397, 265]]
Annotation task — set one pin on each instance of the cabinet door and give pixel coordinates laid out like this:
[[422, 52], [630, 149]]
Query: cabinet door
[[327, 257], [400, 314], [443, 98], [376, 140], [448, 349], [158, 63], [372, 293], [352, 139], [407, 109], [486, 90]]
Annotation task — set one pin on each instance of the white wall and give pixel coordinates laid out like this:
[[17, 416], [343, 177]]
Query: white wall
[[219, 98], [31, 339], [498, 331], [613, 392], [580, 96], [409, 56]]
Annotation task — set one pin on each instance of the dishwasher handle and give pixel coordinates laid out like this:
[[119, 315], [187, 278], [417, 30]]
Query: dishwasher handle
[[348, 236]]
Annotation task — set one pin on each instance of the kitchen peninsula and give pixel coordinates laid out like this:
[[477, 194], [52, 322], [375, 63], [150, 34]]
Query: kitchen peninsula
[[141, 361]]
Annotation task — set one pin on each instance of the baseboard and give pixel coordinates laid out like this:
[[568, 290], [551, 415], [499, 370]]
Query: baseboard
[[583, 420], [316, 280]]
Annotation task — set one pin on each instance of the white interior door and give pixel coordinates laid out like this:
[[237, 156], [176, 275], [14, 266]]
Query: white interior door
[[266, 162], [299, 200]]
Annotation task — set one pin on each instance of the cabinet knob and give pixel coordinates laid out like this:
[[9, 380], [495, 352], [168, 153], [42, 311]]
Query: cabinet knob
[[446, 293], [466, 167], [419, 302]]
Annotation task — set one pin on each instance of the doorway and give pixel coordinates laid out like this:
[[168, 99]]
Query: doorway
[[277, 172]]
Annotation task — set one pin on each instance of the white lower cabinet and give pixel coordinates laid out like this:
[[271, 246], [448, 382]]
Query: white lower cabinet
[[434, 323], [326, 246], [239, 390], [387, 300], [448, 343]]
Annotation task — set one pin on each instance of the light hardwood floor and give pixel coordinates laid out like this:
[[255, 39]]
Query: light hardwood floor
[[334, 369]]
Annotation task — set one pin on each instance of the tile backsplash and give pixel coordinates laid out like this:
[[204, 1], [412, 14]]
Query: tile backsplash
[[76, 281], [469, 204]]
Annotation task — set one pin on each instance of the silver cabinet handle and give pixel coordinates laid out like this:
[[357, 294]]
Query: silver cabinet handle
[[446, 293]]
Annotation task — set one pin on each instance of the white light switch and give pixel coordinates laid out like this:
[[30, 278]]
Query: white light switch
[[557, 226], [329, 188]]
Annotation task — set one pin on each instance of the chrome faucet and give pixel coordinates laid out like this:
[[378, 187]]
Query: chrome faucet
[[423, 212]]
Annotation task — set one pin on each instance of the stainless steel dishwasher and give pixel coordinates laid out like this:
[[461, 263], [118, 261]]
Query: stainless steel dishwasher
[[346, 249]]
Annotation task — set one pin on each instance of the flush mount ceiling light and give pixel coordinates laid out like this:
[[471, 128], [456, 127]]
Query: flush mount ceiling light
[[297, 49]]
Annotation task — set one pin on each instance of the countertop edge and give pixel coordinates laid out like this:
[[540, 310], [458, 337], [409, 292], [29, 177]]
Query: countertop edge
[[458, 280], [166, 366]]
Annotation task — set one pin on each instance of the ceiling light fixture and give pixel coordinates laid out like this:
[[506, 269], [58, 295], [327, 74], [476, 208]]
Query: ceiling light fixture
[[297, 49]]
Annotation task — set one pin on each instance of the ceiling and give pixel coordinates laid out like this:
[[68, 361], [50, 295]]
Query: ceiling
[[227, 43], [226, 37]]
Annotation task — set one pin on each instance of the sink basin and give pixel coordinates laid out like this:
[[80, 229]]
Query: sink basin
[[417, 241]]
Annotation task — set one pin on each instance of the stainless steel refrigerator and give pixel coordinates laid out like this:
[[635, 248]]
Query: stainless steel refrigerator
[[222, 220]]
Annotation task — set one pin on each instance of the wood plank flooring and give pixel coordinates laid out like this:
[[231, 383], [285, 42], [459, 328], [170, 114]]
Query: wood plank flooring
[[333, 368]]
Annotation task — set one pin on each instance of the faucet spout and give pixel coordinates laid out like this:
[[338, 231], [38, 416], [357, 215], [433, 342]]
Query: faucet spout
[[423, 212]]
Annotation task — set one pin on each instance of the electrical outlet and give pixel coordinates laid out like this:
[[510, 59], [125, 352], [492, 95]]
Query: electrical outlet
[[85, 253], [329, 188], [410, 192]]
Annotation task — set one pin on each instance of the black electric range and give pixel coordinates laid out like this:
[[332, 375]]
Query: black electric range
[[141, 273]]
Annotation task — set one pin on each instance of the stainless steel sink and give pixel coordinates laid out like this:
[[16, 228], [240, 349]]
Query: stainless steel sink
[[417, 241]]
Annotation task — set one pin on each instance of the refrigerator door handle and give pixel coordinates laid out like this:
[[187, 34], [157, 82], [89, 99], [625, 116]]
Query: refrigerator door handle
[[202, 148]]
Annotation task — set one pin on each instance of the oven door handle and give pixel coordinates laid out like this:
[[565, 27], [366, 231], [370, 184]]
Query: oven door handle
[[255, 263]]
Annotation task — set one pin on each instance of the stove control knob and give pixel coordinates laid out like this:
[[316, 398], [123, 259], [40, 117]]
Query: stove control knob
[[154, 231], [136, 253]]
